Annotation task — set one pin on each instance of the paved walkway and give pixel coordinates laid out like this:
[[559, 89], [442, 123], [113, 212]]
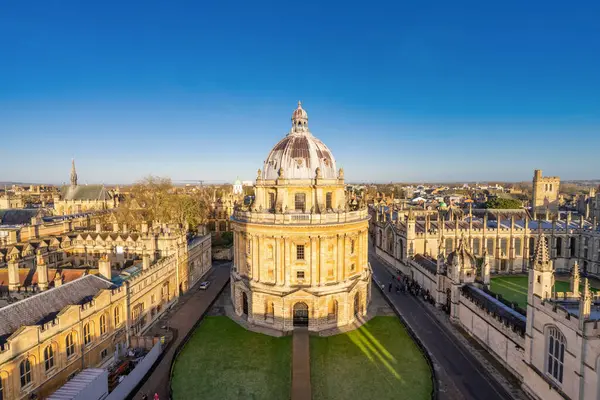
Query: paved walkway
[[460, 374], [301, 389], [190, 308]]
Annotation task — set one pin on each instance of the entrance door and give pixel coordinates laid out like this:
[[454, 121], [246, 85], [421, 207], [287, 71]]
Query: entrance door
[[244, 304], [300, 314]]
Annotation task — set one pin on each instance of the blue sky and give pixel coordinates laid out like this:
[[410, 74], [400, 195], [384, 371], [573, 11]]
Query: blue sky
[[403, 91]]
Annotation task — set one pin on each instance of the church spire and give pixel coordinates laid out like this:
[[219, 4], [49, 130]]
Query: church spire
[[73, 173], [541, 259]]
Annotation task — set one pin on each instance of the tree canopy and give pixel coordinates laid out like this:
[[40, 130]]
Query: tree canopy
[[156, 199], [503, 203]]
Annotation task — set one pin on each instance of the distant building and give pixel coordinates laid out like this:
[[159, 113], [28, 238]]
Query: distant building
[[75, 198], [545, 194], [237, 187]]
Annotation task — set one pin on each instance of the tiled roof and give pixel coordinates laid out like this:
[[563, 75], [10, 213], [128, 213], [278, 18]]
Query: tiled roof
[[85, 192], [29, 277], [18, 216], [426, 262], [34, 309]]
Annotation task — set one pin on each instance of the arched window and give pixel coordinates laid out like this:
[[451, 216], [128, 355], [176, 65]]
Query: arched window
[[556, 353], [531, 246], [558, 246], [573, 247], [476, 246], [117, 316], [352, 245], [490, 247], [518, 246], [503, 247], [70, 345], [87, 333], [389, 240], [49, 357], [25, 372], [102, 324], [400, 249], [449, 245]]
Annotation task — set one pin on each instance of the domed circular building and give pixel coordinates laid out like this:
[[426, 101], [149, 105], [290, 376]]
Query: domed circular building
[[301, 246]]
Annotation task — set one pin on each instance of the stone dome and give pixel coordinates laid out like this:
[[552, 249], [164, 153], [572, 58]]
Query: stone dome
[[299, 153]]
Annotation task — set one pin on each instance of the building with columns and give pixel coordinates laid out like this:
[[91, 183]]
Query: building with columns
[[301, 245]]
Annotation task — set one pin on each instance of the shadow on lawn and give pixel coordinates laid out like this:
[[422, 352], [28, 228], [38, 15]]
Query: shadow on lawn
[[374, 350]]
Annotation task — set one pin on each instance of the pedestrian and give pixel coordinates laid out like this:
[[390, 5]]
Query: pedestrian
[[144, 396], [156, 396]]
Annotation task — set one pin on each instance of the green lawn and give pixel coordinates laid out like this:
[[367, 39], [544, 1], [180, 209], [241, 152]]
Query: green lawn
[[514, 288], [377, 361], [224, 361]]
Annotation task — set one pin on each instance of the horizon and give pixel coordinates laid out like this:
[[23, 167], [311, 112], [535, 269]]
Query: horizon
[[402, 93]]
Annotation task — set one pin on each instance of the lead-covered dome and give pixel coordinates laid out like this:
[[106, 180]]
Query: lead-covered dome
[[299, 153]]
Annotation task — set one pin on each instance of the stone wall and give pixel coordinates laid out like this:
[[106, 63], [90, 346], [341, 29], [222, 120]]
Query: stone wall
[[497, 338]]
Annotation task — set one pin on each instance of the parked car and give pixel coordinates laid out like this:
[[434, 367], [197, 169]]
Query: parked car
[[204, 285]]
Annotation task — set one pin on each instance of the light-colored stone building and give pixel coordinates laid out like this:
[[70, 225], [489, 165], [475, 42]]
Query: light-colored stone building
[[75, 198], [71, 324], [301, 246], [545, 194]]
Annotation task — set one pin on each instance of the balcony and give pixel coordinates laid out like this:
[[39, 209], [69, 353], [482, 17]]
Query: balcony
[[299, 218]]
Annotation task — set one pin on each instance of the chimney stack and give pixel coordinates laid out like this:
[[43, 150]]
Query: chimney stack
[[42, 271], [104, 268], [14, 281]]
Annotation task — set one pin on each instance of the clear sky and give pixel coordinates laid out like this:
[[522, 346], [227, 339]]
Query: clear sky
[[403, 91]]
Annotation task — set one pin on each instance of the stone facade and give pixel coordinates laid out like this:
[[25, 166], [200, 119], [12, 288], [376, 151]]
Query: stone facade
[[101, 319], [301, 248], [545, 194]]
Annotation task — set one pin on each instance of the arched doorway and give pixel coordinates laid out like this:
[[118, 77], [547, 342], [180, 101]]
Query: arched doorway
[[357, 304], [244, 304], [300, 314]]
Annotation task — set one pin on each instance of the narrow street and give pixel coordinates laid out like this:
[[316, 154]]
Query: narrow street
[[461, 376], [194, 304]]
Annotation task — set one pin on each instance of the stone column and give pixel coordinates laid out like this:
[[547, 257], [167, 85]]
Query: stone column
[[340, 258], [321, 260], [257, 263], [288, 260]]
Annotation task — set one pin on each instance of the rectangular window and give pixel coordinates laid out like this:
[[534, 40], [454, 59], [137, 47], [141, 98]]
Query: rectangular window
[[300, 274], [518, 247], [476, 245], [104, 354], [272, 201], [490, 247], [328, 201], [300, 201], [300, 252]]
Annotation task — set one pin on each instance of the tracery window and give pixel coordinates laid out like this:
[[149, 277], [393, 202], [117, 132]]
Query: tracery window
[[25, 372], [70, 345], [476, 246], [117, 313], [87, 333], [518, 246], [49, 357], [102, 324], [328, 201], [558, 246], [556, 353]]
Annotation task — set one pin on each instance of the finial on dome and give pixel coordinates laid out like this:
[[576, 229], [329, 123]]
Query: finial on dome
[[299, 104]]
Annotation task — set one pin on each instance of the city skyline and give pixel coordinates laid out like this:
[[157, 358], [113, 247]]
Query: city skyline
[[415, 95]]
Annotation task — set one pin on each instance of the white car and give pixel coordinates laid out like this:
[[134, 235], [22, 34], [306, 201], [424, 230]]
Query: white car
[[204, 285]]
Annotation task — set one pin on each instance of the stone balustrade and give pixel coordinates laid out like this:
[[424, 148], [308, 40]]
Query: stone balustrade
[[299, 218]]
